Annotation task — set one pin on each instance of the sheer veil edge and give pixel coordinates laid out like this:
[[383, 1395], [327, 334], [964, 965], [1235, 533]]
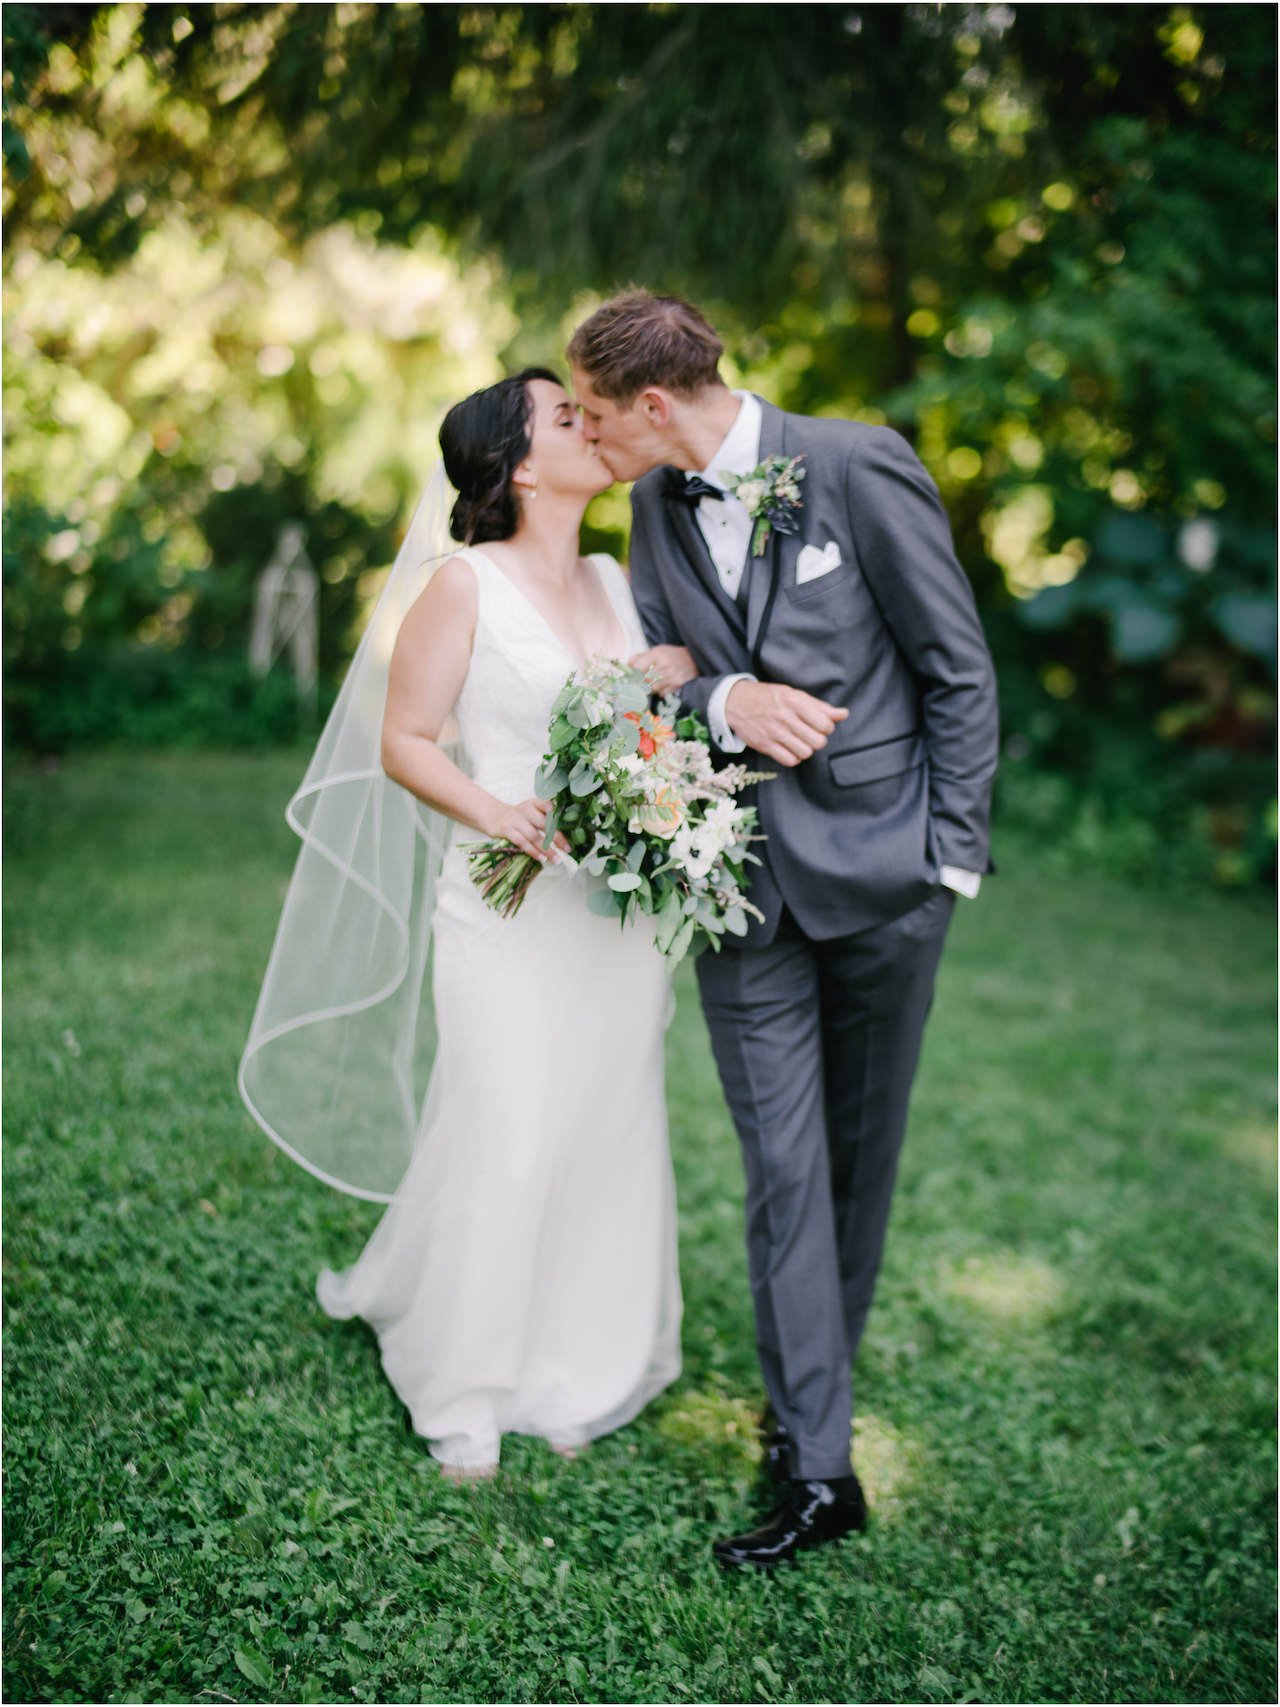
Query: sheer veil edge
[[338, 1059]]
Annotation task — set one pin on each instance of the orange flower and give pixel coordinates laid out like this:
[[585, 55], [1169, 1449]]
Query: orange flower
[[653, 734], [661, 816]]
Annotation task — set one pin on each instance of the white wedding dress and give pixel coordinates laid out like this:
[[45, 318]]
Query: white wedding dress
[[524, 1279]]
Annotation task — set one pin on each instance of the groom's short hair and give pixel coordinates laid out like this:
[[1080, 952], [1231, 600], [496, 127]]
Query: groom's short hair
[[638, 339]]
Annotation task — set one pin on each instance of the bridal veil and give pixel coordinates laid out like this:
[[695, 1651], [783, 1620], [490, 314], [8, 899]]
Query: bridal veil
[[339, 1053]]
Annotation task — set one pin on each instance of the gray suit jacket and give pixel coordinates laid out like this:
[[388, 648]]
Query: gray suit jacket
[[857, 834]]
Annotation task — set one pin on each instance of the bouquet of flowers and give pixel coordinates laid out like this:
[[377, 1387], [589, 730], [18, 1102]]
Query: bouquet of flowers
[[635, 795]]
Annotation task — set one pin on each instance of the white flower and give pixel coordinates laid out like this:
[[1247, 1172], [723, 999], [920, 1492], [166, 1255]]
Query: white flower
[[688, 851], [751, 492], [635, 772]]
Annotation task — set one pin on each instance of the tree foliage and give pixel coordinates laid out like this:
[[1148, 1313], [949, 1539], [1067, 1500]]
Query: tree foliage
[[1040, 241]]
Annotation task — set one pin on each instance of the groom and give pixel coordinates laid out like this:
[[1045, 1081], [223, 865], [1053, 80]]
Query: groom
[[848, 657]]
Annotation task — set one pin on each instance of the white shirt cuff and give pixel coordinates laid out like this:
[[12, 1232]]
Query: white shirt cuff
[[966, 883], [721, 733]]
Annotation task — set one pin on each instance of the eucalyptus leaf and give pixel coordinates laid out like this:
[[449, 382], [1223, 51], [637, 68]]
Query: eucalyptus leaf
[[635, 855], [583, 780], [621, 881], [550, 779], [672, 905], [601, 901], [562, 734], [665, 930], [680, 944]]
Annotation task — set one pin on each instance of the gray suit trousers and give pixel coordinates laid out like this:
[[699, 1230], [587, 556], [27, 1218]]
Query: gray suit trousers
[[817, 1045]]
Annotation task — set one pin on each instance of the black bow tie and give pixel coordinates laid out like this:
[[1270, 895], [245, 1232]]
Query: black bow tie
[[689, 488]]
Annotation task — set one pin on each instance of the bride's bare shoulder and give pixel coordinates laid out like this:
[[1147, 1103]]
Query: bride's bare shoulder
[[448, 602], [455, 578]]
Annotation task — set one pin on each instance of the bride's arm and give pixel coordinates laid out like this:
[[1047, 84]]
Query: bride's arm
[[428, 667]]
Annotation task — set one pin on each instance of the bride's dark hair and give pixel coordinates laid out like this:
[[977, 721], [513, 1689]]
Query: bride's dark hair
[[483, 440]]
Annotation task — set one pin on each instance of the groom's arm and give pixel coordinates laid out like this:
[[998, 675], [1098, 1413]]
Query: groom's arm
[[659, 624], [791, 726], [904, 547]]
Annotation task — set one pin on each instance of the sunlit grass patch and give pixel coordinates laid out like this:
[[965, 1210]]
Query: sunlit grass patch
[[716, 1422], [1254, 1143], [1009, 1286], [889, 1462]]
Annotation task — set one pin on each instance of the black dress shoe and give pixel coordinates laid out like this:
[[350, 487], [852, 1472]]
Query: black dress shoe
[[810, 1514]]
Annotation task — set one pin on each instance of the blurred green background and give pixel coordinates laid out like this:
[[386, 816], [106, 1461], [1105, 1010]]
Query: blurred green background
[[252, 252]]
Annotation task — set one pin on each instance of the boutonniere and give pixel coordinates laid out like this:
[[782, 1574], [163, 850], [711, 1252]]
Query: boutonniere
[[771, 493]]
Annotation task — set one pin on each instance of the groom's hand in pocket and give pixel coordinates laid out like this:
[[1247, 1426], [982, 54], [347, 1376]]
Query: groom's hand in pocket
[[786, 724]]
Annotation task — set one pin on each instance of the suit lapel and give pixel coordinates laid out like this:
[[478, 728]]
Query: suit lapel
[[781, 550], [682, 524]]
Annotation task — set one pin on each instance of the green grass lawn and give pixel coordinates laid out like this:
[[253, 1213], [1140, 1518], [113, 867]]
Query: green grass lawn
[[1065, 1399]]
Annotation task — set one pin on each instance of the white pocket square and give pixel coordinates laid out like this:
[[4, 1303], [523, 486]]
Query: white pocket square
[[811, 562]]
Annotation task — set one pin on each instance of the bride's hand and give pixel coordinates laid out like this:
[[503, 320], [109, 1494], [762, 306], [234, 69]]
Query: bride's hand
[[524, 826], [668, 667]]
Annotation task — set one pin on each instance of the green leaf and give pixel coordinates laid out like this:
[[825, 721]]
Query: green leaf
[[1052, 608], [577, 713], [735, 921], [601, 901], [251, 1663], [358, 1634], [680, 943], [1142, 633], [1131, 539], [668, 916], [550, 779], [583, 780], [633, 693], [1247, 620], [635, 855], [621, 881], [562, 734]]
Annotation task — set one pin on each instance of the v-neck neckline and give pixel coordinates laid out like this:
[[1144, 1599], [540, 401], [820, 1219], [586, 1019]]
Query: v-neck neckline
[[569, 652]]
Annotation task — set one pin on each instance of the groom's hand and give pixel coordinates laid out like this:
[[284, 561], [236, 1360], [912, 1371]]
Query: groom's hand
[[786, 724], [667, 667]]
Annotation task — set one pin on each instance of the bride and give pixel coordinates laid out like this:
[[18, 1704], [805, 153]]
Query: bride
[[523, 1278]]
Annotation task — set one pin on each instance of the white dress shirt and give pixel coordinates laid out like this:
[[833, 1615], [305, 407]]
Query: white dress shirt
[[726, 527]]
